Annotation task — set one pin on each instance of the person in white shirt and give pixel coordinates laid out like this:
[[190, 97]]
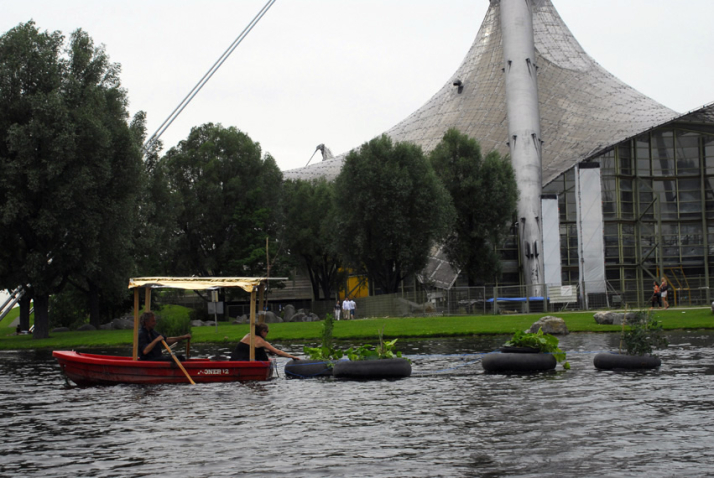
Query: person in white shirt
[[352, 309], [346, 307]]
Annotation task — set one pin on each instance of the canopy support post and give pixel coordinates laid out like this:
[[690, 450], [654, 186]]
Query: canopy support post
[[252, 324], [147, 299], [135, 353], [261, 302]]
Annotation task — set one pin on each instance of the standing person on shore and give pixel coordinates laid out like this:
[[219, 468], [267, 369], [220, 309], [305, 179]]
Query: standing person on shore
[[656, 298], [338, 308], [352, 309], [346, 307], [663, 292]]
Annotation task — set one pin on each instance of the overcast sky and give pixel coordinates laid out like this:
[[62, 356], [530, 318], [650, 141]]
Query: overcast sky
[[340, 72]]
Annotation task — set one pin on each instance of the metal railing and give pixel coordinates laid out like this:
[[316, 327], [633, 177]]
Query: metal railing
[[541, 298]]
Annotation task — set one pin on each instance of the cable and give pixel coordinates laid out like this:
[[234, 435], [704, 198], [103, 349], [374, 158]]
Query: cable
[[177, 111]]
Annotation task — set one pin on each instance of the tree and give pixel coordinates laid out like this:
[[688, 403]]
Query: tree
[[30, 101], [391, 208], [156, 236], [485, 195], [68, 159], [228, 199], [108, 141], [309, 230]]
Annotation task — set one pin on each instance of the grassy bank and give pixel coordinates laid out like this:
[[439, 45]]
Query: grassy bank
[[364, 330]]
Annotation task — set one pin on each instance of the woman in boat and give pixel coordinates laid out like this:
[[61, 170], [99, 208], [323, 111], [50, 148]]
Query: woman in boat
[[262, 347], [150, 340]]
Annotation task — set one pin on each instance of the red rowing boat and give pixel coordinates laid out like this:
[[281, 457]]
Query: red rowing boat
[[90, 369]]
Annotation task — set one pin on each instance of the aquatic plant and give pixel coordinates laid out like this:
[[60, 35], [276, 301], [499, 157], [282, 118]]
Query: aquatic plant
[[546, 343], [326, 351], [385, 350], [643, 335]]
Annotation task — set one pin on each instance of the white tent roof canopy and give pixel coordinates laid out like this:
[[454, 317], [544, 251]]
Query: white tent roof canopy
[[200, 283]]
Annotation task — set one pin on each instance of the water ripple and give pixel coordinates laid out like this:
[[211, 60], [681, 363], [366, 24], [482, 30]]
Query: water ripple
[[581, 422]]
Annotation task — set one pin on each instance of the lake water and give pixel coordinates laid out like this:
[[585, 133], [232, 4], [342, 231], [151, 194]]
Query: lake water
[[449, 419]]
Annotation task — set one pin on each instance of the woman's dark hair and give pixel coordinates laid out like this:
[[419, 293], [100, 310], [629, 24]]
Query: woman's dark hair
[[260, 328], [145, 316]]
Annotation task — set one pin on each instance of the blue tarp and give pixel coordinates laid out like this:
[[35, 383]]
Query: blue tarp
[[517, 299]]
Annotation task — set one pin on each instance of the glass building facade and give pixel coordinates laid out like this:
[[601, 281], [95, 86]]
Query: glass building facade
[[658, 213]]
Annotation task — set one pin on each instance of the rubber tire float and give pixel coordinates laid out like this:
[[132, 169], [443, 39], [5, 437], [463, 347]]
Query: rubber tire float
[[615, 361], [518, 362], [372, 369], [308, 368]]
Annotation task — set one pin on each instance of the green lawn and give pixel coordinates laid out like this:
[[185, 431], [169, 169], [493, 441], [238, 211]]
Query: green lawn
[[5, 328], [364, 330]]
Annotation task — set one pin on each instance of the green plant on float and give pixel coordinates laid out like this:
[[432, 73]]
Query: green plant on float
[[385, 350], [326, 351], [643, 335], [546, 343]]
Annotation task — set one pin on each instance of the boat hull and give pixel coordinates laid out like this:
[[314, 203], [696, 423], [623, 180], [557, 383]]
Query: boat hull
[[90, 369]]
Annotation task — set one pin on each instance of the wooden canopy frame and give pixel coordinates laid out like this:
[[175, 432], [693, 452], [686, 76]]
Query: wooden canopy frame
[[254, 285]]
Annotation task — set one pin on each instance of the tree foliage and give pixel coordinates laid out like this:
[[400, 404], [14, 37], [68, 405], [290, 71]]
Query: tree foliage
[[155, 239], [227, 202], [485, 195], [391, 208], [309, 230], [69, 164]]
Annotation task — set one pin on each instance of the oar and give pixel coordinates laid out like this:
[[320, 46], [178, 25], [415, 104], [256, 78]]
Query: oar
[[178, 362]]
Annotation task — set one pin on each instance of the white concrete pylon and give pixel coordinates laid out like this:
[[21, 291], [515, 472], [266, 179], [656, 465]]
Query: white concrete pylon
[[524, 140]]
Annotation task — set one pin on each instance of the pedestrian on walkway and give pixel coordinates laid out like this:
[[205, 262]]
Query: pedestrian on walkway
[[656, 298], [346, 307], [663, 292], [338, 308]]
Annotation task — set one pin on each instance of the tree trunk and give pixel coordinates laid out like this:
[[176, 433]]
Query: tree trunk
[[95, 317], [25, 305], [42, 317], [326, 289], [314, 279], [327, 279]]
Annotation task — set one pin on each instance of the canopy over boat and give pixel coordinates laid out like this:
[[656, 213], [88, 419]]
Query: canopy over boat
[[199, 283], [254, 285]]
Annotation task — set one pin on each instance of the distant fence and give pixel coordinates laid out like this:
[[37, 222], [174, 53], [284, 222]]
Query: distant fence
[[541, 298]]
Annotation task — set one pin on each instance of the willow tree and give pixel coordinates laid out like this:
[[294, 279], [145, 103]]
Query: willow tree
[[69, 162], [309, 231], [227, 195], [391, 209], [485, 195]]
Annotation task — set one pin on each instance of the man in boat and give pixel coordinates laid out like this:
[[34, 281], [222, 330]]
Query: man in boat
[[150, 340], [262, 347]]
